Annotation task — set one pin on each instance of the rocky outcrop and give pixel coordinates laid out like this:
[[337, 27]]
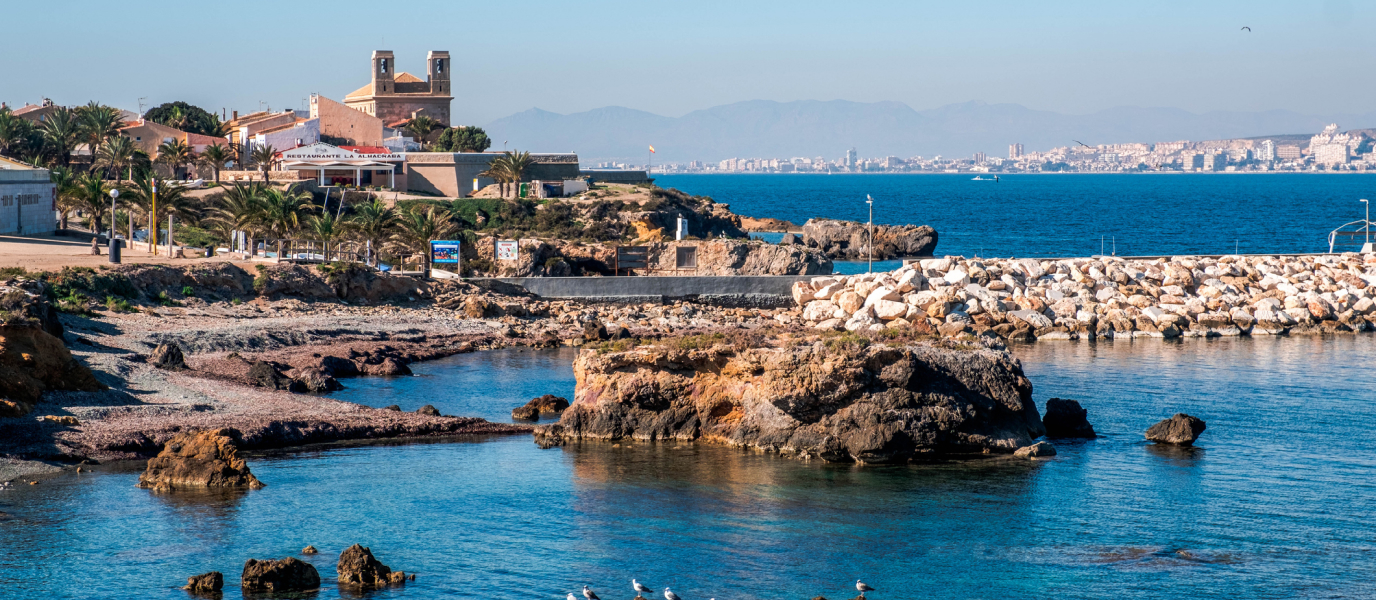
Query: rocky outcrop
[[286, 575], [213, 581], [1066, 419], [267, 375], [199, 460], [428, 410], [766, 224], [357, 567], [739, 257], [546, 405], [1180, 430], [309, 550], [849, 240], [834, 401], [168, 355], [1037, 450], [33, 358]]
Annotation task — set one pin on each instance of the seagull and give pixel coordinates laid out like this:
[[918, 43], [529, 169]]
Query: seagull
[[571, 597], [863, 587], [670, 595], [640, 588], [587, 593], [1247, 28], [1080, 143]]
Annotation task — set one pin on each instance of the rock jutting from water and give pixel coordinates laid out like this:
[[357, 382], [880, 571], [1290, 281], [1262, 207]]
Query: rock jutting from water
[[1037, 450], [1104, 297], [837, 397], [1180, 430], [849, 240], [358, 567], [548, 404], [1066, 419], [210, 582], [286, 575], [199, 459]]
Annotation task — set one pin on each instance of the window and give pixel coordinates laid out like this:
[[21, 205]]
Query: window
[[439, 65], [382, 66]]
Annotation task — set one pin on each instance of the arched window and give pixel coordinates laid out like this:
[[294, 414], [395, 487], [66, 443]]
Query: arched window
[[382, 66], [439, 65]]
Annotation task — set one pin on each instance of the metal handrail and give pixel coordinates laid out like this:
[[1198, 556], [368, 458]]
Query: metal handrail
[[1333, 235]]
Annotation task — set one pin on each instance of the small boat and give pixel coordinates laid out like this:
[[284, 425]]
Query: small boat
[[979, 178]]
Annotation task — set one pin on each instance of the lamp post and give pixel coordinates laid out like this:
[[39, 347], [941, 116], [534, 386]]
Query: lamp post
[[1366, 226], [870, 246], [114, 244]]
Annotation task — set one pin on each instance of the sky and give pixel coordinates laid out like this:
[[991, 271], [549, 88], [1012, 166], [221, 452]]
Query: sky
[[1076, 57]]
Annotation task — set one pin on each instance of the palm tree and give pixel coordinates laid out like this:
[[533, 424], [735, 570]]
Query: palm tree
[[116, 155], [62, 132], [241, 208], [65, 184], [516, 165], [417, 228], [324, 227], [421, 126], [497, 170], [281, 212], [264, 156], [215, 157], [16, 134], [89, 194], [372, 222], [176, 154], [170, 199], [99, 123]]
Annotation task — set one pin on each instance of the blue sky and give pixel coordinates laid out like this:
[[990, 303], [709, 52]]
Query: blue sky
[[1312, 56]]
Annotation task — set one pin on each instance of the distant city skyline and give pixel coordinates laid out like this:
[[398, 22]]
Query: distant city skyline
[[1070, 57]]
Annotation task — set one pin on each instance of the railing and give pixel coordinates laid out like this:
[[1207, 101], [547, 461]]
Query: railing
[[318, 251], [1363, 231]]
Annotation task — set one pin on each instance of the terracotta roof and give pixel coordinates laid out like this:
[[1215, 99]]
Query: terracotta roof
[[404, 77], [367, 149], [366, 90], [196, 139], [397, 124], [27, 108]]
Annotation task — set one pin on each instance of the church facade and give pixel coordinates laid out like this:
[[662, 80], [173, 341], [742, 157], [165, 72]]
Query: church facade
[[396, 97]]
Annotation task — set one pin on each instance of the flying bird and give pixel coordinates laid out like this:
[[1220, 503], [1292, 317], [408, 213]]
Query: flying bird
[[1247, 28], [1080, 143], [587, 593], [670, 595], [863, 587], [640, 588]]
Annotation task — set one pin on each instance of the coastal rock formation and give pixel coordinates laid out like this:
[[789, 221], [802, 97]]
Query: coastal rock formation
[[357, 567], [428, 410], [316, 381], [213, 581], [266, 375], [1103, 297], [766, 224], [739, 257], [309, 550], [1037, 450], [1180, 430], [548, 404], [838, 401], [1066, 419], [199, 459], [286, 575], [33, 358], [168, 355], [849, 240]]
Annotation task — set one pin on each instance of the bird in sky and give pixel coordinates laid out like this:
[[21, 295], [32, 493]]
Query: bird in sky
[[640, 588], [1080, 143], [670, 595], [588, 593], [863, 587], [1247, 28]]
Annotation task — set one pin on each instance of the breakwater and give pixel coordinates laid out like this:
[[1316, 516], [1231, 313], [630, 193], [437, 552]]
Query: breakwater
[[1103, 297]]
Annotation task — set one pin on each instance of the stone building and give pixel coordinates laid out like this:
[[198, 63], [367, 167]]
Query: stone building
[[340, 124], [456, 175], [395, 97], [28, 199]]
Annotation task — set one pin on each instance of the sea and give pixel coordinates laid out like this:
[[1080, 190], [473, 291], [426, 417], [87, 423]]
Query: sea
[[1275, 501], [1066, 215]]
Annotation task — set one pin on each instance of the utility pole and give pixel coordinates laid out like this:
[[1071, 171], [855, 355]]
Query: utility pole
[[870, 201], [153, 219]]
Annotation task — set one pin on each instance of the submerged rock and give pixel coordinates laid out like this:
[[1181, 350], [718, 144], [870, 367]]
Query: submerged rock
[[199, 459], [309, 550], [358, 567], [286, 575], [213, 581], [168, 356], [1181, 430], [872, 404], [548, 404], [1037, 450], [1066, 419]]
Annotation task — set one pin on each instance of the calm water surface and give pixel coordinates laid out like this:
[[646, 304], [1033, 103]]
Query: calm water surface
[[1276, 502], [1066, 214]]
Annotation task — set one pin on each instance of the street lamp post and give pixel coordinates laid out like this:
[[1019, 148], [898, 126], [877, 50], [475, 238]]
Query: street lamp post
[[114, 243], [1366, 226], [870, 201]]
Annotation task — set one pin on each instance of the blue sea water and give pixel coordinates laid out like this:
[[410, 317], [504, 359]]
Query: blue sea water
[[1276, 501], [1057, 215]]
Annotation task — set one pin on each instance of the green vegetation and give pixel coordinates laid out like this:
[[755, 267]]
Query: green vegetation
[[162, 299], [71, 281], [186, 117], [118, 304], [462, 139], [12, 272], [188, 291], [421, 127]]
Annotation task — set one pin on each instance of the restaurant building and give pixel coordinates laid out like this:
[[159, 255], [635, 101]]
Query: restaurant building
[[347, 165]]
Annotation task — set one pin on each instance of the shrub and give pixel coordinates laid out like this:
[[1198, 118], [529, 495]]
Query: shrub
[[71, 280], [118, 304], [236, 302], [188, 291], [12, 272], [162, 299]]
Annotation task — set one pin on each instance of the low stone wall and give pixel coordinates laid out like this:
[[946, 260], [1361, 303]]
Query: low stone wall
[[761, 292]]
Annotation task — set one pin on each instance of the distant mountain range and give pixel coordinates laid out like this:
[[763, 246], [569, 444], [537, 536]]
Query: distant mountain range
[[767, 129]]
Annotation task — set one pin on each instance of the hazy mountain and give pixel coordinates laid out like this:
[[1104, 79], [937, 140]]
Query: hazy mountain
[[762, 128]]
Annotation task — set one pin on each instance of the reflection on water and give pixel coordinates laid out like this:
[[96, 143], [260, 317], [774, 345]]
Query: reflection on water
[[1274, 502]]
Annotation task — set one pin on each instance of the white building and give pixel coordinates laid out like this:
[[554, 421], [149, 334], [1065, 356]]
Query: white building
[[28, 199], [1015, 151], [1266, 151], [1330, 154]]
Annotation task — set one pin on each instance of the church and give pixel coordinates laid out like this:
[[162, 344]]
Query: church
[[396, 96]]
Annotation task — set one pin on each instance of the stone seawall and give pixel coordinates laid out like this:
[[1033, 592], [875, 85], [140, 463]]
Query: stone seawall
[[1106, 297]]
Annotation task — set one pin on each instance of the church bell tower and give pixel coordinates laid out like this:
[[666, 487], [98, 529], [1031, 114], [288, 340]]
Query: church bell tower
[[384, 68]]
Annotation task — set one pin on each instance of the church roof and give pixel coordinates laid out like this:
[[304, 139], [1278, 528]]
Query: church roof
[[367, 90]]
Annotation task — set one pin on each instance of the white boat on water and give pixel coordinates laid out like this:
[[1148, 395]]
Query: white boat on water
[[981, 178]]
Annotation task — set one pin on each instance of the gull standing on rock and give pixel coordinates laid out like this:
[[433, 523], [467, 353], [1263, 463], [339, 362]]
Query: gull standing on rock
[[571, 597], [670, 595], [640, 588], [863, 587], [587, 593]]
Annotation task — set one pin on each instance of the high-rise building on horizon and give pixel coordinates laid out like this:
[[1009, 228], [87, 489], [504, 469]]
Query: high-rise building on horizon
[[851, 158], [1015, 151], [1266, 151]]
